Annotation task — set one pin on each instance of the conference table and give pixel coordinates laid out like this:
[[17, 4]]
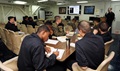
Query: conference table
[[62, 45]]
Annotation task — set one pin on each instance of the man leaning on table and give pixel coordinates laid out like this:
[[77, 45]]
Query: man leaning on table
[[89, 50], [32, 53]]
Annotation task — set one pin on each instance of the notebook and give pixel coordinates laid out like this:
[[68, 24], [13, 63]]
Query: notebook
[[61, 52], [50, 41]]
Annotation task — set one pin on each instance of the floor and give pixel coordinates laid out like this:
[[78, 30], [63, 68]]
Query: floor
[[115, 63]]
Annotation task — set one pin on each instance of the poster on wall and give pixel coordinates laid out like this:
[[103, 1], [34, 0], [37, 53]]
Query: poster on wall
[[62, 10], [89, 9]]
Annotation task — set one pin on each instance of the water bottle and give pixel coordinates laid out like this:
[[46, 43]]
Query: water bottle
[[67, 43]]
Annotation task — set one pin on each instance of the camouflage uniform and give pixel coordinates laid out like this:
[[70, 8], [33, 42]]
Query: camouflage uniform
[[58, 30]]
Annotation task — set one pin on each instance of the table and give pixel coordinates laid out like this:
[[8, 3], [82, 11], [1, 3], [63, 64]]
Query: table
[[62, 45]]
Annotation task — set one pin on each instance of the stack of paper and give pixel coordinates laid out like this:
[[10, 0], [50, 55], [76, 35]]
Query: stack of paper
[[61, 51], [62, 38], [72, 45], [50, 41]]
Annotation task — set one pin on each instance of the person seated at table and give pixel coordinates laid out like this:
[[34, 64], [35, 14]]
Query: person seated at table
[[49, 25], [11, 25], [96, 26], [31, 22], [90, 49], [32, 53], [103, 28], [25, 21], [58, 27]]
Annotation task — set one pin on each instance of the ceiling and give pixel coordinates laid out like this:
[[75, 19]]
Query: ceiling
[[50, 2]]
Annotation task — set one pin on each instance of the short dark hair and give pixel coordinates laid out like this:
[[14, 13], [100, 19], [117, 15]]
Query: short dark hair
[[57, 17], [25, 17], [84, 26], [10, 17], [103, 26], [97, 19], [48, 23], [43, 28]]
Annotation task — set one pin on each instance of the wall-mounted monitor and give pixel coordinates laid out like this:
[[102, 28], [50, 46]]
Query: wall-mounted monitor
[[74, 9], [89, 9]]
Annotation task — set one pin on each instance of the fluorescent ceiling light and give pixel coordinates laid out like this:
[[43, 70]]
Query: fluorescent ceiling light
[[42, 0], [115, 0], [82, 2], [60, 3], [19, 2]]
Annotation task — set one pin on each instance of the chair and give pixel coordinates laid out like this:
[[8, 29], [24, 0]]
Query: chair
[[23, 28], [2, 25], [107, 46], [8, 39], [16, 41], [36, 27], [3, 38], [102, 67], [39, 22], [19, 26], [30, 29], [9, 65]]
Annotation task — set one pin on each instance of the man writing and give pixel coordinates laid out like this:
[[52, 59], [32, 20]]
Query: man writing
[[32, 54]]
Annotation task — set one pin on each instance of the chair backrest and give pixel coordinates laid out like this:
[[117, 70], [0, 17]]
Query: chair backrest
[[8, 39], [23, 28], [2, 25], [4, 68], [2, 35], [19, 26], [36, 27], [30, 29], [107, 46], [39, 22], [104, 65], [11, 63], [16, 41]]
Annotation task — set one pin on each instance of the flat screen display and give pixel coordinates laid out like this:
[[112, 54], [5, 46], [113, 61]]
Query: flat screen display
[[89, 9], [74, 9]]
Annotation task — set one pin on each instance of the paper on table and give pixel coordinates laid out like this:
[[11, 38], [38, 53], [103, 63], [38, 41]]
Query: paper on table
[[72, 45], [62, 38], [50, 41], [61, 51]]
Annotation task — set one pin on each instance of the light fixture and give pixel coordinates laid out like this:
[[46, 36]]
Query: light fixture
[[115, 0], [60, 3], [42, 0], [82, 2], [19, 2]]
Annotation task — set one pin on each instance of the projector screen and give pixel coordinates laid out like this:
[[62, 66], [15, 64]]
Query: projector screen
[[74, 9]]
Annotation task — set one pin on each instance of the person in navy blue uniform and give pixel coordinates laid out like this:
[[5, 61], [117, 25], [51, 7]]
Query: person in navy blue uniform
[[90, 49], [11, 25], [32, 53]]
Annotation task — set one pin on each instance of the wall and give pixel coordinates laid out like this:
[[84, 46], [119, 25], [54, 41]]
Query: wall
[[17, 11], [100, 9]]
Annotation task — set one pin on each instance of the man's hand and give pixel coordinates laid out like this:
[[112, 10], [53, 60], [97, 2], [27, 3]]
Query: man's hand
[[47, 49], [56, 53]]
